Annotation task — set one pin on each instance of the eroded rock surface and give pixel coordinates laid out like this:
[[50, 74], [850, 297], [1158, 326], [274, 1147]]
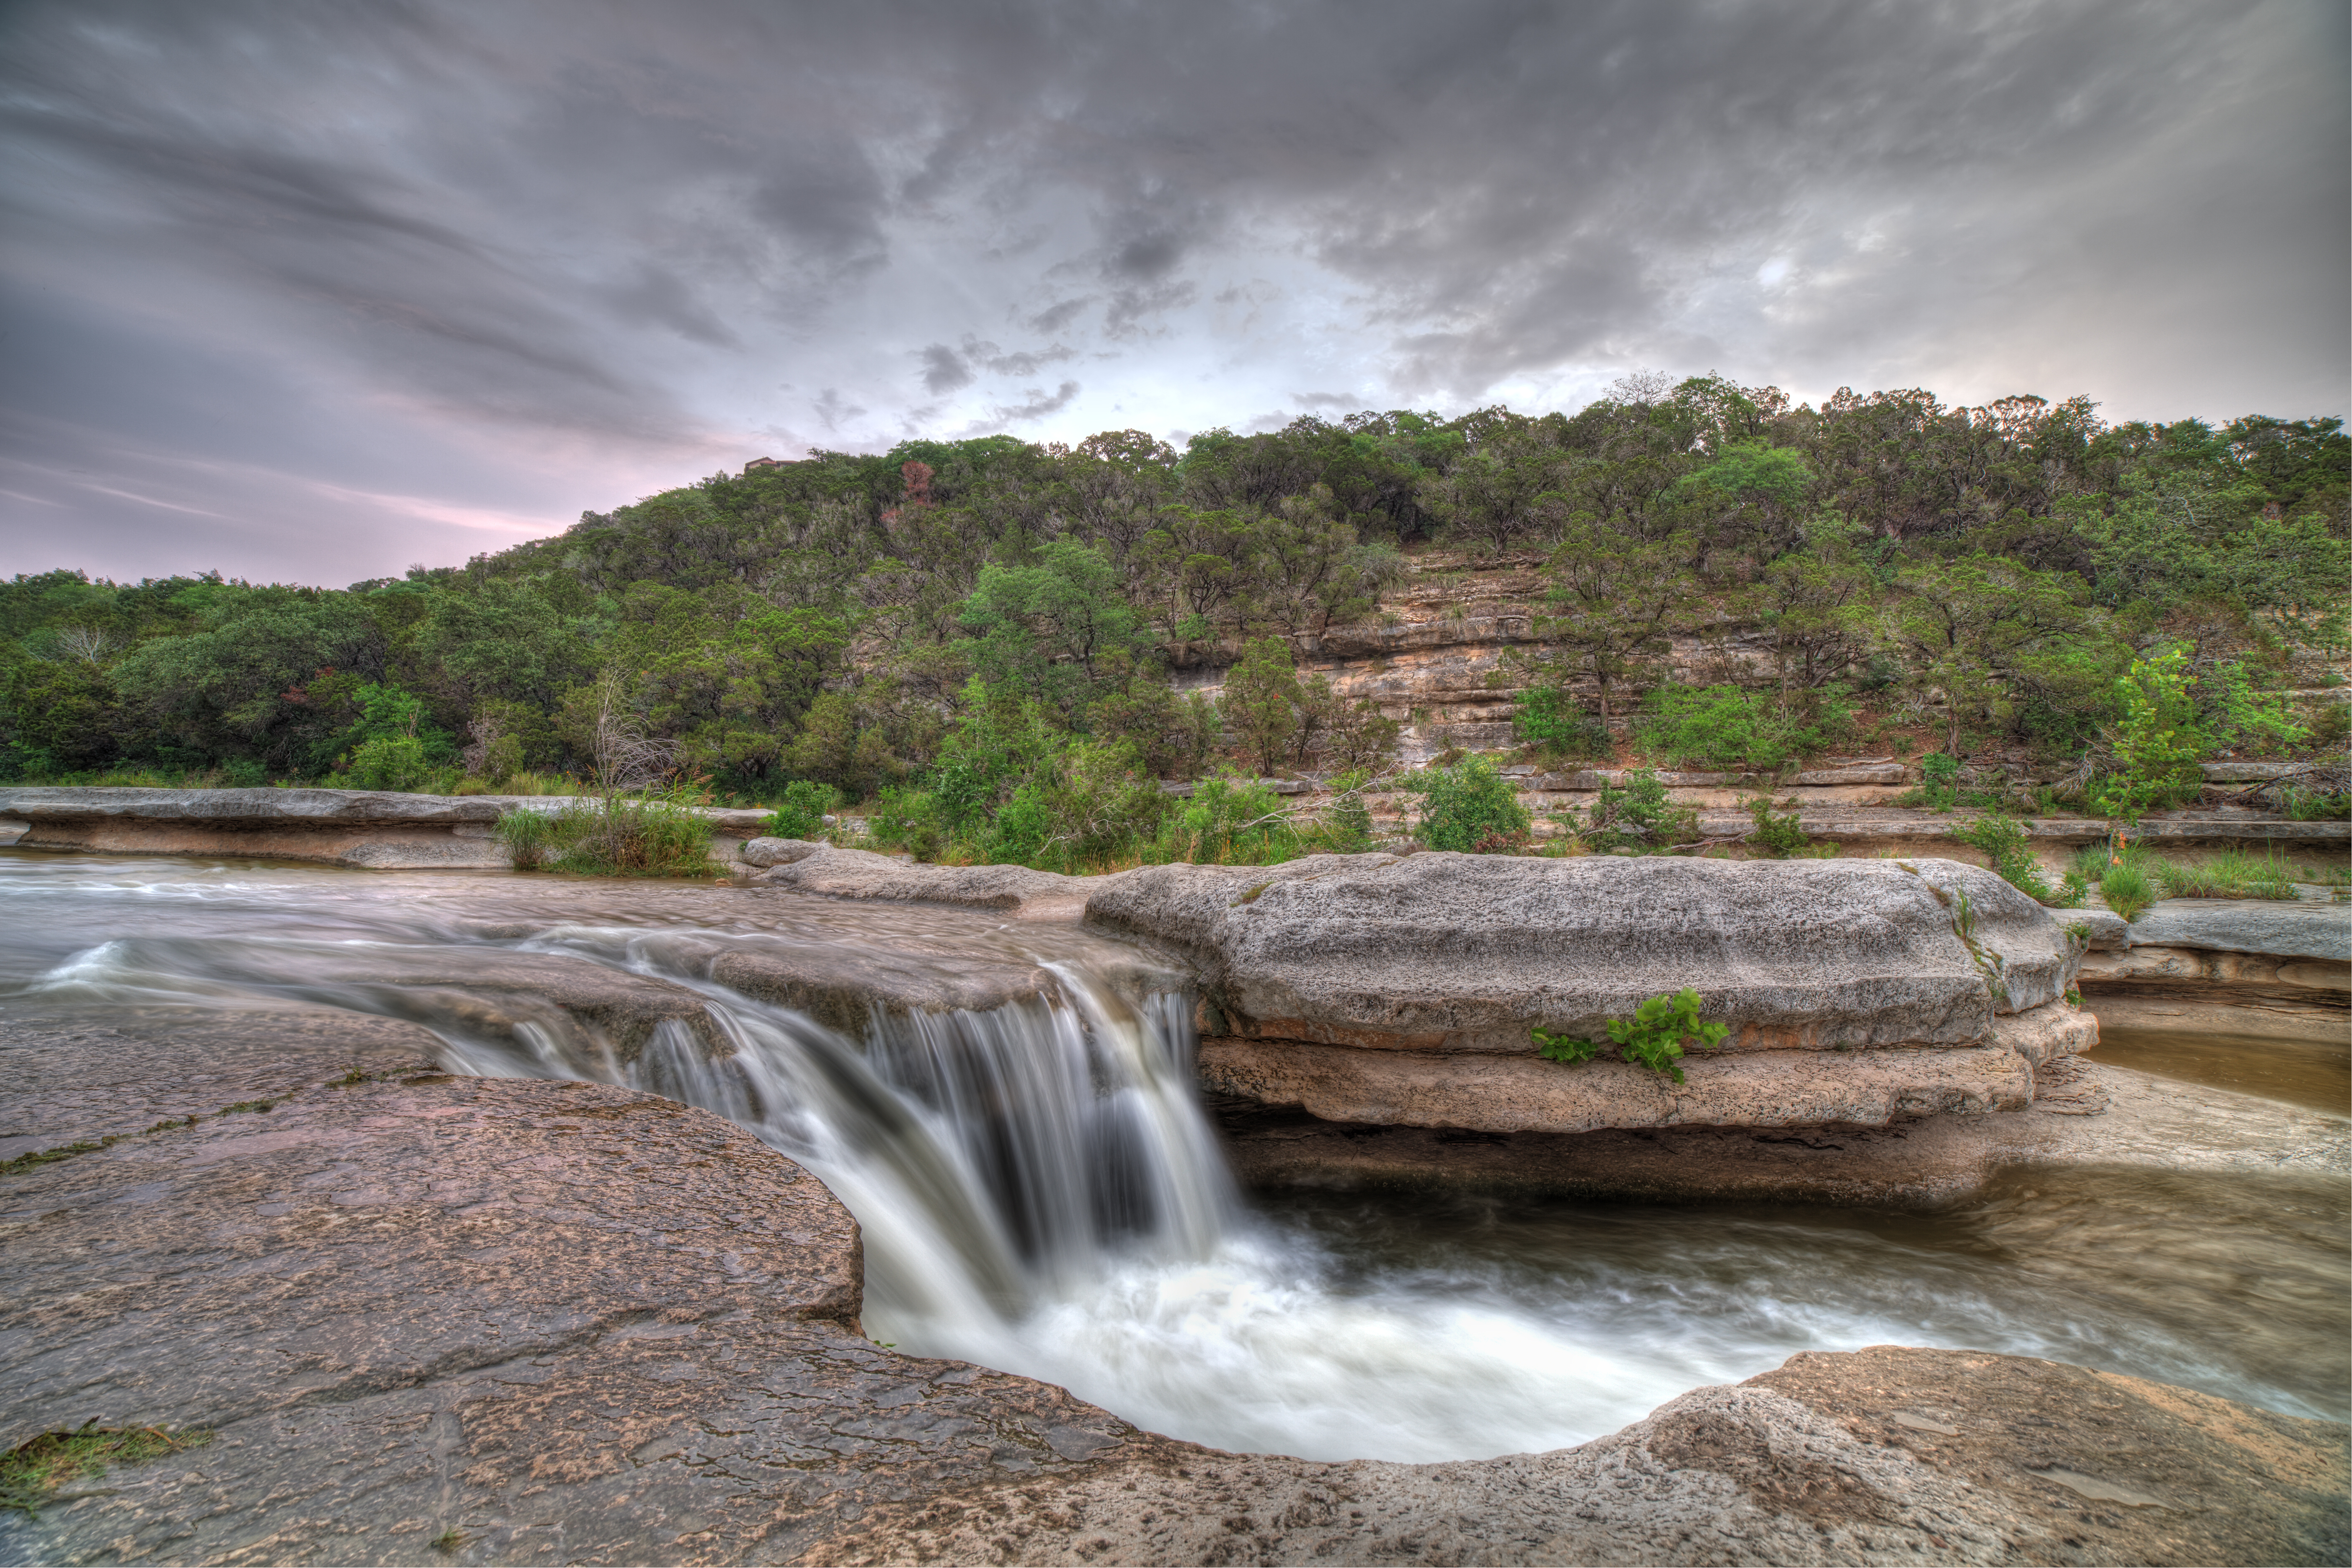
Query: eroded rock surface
[[1465, 953], [1878, 1455], [1017, 890], [495, 1320], [2082, 1113]]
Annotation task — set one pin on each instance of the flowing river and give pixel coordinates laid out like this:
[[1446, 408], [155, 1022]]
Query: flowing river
[[1040, 1192]]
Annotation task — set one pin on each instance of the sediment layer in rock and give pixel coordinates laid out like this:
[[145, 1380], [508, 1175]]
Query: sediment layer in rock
[[2082, 1113], [1525, 1094]]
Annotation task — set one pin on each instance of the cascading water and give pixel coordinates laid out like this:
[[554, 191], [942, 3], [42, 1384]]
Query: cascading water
[[1040, 1191]]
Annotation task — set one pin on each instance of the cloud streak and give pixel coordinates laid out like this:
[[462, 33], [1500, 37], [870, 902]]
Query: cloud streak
[[493, 258]]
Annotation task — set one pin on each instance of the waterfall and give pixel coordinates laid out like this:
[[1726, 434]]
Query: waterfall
[[996, 1161], [1040, 1191]]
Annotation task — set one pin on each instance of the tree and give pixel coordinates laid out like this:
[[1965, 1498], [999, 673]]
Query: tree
[[1261, 701], [1971, 628], [1614, 604]]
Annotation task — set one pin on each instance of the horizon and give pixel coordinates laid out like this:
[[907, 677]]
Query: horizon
[[314, 298]]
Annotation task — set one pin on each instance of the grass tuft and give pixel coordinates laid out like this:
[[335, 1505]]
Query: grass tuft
[[31, 1473]]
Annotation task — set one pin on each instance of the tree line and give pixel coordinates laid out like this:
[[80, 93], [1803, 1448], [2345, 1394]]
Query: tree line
[[896, 621]]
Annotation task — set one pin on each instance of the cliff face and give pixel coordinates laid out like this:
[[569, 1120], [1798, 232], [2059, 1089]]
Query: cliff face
[[1436, 656]]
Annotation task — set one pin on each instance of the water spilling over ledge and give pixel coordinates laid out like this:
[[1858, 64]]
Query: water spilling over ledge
[[1039, 1189]]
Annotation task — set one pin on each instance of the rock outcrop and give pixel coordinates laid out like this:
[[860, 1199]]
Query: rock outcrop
[[1384, 990], [424, 1318], [1015, 890], [2265, 969], [370, 829]]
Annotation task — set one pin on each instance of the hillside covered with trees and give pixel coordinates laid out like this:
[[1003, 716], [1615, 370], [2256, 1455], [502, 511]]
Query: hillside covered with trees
[[990, 633]]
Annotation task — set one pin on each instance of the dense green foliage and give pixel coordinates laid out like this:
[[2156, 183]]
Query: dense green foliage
[[994, 640]]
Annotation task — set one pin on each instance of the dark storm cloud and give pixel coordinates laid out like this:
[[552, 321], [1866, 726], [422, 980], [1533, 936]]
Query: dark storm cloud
[[535, 240]]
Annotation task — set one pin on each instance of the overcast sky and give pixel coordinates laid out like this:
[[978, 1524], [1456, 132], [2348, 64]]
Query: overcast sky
[[311, 291]]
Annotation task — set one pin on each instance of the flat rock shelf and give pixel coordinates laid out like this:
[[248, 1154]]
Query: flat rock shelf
[[501, 1321]]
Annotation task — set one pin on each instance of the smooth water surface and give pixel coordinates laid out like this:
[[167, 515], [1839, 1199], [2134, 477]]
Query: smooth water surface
[[1040, 1191], [2296, 1072]]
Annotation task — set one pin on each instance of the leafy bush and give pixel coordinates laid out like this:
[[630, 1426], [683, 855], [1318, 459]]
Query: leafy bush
[[2002, 841], [801, 812], [1549, 718], [1347, 824], [2157, 742], [1726, 727], [1652, 1038], [1229, 821], [1939, 789], [623, 836], [1636, 816], [1775, 838], [387, 763], [1470, 807]]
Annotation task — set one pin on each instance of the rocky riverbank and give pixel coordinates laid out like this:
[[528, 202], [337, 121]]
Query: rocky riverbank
[[418, 1317]]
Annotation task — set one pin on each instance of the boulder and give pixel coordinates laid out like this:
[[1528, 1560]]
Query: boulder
[[765, 852], [1450, 953]]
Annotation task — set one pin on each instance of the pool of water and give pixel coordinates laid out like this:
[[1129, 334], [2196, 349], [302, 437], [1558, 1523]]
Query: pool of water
[[1040, 1192], [2296, 1072]]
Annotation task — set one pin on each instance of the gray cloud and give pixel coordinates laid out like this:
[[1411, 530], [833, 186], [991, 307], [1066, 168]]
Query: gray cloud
[[555, 245], [1038, 405]]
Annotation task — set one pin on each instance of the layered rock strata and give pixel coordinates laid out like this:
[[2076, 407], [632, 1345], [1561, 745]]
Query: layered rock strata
[[2264, 970], [492, 1320], [1385, 990], [376, 830]]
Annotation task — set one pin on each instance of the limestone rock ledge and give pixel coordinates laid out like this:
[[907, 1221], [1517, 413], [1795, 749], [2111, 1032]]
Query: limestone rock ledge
[[517, 1320]]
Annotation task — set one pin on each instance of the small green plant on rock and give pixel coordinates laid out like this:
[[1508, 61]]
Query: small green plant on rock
[[31, 1472], [1652, 1038], [1776, 837], [2006, 848]]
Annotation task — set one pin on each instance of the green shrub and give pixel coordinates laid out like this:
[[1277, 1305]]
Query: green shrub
[[2157, 742], [387, 763], [1549, 718], [1938, 789], [801, 812], [1652, 1038], [2002, 841], [1229, 820], [1347, 824], [1635, 816], [1775, 838], [1726, 727], [623, 836], [1470, 807]]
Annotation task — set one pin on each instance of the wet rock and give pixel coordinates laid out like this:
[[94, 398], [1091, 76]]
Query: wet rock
[[1881, 1455], [1441, 952], [2082, 1113]]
